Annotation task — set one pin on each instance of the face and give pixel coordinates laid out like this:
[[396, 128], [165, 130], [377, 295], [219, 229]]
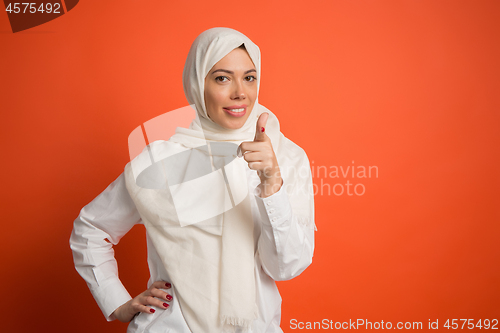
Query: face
[[231, 89]]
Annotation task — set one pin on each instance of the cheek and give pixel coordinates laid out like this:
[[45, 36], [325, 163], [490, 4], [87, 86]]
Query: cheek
[[253, 94], [214, 102], [217, 99], [209, 101]]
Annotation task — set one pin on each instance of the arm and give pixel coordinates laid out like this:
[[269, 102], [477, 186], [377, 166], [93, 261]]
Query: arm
[[100, 225], [286, 243]]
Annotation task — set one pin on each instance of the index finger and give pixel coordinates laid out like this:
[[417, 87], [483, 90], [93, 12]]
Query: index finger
[[161, 285], [247, 146], [261, 123]]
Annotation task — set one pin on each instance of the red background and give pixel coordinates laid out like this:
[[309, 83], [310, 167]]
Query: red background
[[411, 87]]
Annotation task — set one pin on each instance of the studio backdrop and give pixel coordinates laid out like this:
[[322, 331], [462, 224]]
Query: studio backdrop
[[395, 102]]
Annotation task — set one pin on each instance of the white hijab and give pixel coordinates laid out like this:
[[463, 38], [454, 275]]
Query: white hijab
[[209, 48], [200, 220]]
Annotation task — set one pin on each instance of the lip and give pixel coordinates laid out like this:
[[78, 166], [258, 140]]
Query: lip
[[236, 114]]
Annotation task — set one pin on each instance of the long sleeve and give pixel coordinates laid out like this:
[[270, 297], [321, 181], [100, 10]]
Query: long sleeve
[[285, 245], [99, 226]]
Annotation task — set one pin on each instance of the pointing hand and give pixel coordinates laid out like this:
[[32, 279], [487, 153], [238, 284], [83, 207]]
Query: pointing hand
[[260, 156]]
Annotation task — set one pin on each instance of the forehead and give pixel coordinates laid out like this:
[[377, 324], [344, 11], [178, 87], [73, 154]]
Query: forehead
[[237, 59]]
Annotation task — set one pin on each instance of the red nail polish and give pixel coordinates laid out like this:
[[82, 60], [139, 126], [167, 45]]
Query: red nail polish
[[152, 310], [169, 297], [165, 305], [262, 129], [168, 285]]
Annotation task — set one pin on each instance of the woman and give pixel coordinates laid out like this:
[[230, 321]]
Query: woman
[[227, 204]]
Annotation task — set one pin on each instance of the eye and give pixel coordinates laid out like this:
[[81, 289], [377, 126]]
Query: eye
[[221, 78], [250, 78]]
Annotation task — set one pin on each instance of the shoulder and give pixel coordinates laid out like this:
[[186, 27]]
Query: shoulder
[[289, 148], [154, 152], [291, 154], [159, 149]]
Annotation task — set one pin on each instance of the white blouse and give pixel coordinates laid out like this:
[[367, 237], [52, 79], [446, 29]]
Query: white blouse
[[284, 248]]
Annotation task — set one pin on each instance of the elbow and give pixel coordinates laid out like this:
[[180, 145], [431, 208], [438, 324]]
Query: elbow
[[294, 269], [297, 263], [288, 264]]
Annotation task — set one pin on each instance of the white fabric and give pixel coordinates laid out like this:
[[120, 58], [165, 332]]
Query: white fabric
[[226, 296], [208, 48], [284, 249], [194, 254], [213, 261]]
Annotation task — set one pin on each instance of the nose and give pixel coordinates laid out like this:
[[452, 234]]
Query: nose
[[239, 91]]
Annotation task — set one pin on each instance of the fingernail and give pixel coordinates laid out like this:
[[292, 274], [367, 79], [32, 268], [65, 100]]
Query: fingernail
[[262, 129], [152, 310], [168, 285], [169, 298], [165, 305], [238, 152]]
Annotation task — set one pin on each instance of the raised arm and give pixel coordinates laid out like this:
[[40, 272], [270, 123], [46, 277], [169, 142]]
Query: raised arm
[[286, 243]]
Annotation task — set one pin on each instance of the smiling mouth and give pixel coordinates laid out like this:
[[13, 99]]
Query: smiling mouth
[[239, 112]]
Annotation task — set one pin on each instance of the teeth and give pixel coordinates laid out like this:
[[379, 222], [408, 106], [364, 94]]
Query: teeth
[[237, 110]]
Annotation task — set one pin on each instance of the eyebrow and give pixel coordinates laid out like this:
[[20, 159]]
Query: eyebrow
[[231, 72]]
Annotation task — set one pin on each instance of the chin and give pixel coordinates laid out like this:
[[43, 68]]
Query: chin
[[233, 125]]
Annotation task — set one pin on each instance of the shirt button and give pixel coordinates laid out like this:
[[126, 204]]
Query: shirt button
[[271, 211], [273, 219], [268, 203]]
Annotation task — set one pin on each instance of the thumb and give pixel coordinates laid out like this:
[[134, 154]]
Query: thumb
[[260, 133]]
